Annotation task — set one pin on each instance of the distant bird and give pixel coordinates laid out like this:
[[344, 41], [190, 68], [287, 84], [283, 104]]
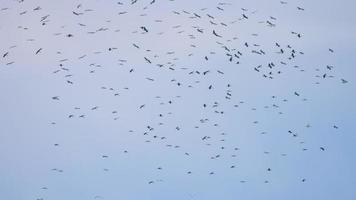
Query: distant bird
[[344, 81], [38, 51], [75, 13], [136, 46], [144, 29], [148, 60], [216, 34]]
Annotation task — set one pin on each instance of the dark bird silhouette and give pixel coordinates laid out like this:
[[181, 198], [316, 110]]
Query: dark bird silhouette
[[217, 35], [149, 61], [144, 29], [38, 51]]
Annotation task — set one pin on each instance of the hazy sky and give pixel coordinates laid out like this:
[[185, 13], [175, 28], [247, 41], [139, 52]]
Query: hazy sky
[[189, 125]]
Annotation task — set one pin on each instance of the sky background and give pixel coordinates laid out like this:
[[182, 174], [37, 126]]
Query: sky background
[[31, 122]]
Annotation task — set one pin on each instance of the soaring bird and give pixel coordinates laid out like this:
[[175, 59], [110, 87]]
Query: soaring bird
[[38, 51], [144, 29], [216, 34]]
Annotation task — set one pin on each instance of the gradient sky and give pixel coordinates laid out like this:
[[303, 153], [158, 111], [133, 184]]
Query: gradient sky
[[31, 122]]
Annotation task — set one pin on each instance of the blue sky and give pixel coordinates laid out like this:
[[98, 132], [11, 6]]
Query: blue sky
[[249, 131]]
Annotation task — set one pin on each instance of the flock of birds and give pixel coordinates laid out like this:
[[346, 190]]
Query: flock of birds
[[197, 76]]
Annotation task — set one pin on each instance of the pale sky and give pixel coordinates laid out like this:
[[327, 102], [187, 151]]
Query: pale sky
[[228, 116]]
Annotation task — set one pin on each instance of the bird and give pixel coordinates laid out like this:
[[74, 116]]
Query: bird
[[344, 81], [76, 13], [144, 29], [38, 51], [148, 60], [216, 34]]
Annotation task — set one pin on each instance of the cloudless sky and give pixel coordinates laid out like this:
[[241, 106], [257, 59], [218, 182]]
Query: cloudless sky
[[124, 128]]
